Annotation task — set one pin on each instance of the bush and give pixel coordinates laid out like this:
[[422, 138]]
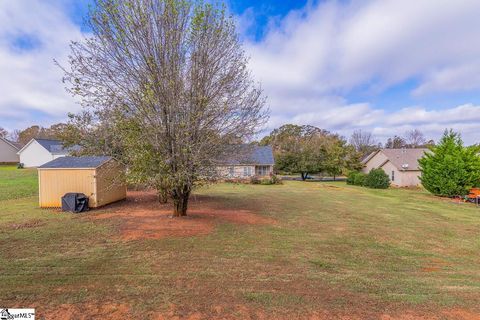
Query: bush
[[275, 179], [359, 179], [254, 180], [377, 179], [351, 177], [271, 180], [355, 178]]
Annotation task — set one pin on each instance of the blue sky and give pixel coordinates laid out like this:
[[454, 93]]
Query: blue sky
[[383, 66]]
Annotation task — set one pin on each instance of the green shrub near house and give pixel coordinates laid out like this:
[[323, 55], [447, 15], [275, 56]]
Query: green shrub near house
[[359, 179], [351, 177], [377, 179]]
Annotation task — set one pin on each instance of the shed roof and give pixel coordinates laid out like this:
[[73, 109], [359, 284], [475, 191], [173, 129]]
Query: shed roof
[[249, 154], [76, 162]]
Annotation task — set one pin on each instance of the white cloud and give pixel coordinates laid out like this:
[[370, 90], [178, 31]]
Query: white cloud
[[30, 82], [313, 57], [308, 62]]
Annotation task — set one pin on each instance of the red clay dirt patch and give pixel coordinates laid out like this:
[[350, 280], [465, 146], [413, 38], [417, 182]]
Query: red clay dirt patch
[[142, 217], [86, 311]]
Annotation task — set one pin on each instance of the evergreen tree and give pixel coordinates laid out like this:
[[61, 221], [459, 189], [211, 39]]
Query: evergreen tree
[[450, 169]]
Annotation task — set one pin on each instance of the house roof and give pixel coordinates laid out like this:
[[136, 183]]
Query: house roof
[[249, 154], [76, 162], [403, 159], [17, 146], [53, 146]]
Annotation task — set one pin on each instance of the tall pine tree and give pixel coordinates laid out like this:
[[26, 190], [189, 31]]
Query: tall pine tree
[[450, 169]]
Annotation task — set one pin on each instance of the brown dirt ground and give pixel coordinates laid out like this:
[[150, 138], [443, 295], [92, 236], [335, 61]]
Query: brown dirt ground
[[142, 217], [114, 311]]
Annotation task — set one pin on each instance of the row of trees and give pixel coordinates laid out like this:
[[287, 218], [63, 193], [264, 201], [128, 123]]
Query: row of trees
[[55, 131], [365, 143], [307, 149]]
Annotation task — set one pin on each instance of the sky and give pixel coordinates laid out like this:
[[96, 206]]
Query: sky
[[384, 66]]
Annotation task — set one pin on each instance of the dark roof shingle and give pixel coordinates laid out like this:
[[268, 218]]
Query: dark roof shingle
[[249, 154], [55, 146], [76, 162]]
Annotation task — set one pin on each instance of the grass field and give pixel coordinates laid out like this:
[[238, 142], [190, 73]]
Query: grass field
[[323, 250]]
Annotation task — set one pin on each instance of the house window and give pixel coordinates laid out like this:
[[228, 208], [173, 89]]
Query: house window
[[262, 170], [247, 171], [393, 175]]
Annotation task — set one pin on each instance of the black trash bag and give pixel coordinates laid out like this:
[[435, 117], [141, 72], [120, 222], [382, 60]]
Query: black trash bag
[[75, 202]]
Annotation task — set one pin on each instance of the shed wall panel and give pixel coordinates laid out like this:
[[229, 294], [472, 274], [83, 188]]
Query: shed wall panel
[[110, 185], [53, 184]]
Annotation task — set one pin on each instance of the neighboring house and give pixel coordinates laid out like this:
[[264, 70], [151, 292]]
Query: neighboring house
[[40, 151], [8, 151], [246, 161], [401, 165]]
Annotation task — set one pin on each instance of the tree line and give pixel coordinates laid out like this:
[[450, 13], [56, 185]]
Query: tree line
[[306, 149], [56, 131]]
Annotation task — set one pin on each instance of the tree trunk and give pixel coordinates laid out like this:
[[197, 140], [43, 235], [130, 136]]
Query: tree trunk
[[304, 175], [334, 177], [162, 196], [180, 204]]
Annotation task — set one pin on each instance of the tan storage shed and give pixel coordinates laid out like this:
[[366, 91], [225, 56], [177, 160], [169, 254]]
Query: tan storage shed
[[99, 178]]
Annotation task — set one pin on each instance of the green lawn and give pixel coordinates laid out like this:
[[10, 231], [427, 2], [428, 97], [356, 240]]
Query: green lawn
[[17, 183], [334, 250]]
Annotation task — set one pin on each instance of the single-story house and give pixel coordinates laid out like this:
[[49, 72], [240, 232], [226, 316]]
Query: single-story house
[[8, 151], [40, 151], [246, 161], [101, 179], [401, 165]]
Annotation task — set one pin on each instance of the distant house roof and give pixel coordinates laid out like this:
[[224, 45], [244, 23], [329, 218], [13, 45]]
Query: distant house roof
[[53, 146], [403, 159], [76, 162], [249, 154]]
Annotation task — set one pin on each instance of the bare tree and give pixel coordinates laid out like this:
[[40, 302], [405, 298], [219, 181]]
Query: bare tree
[[364, 142], [395, 143], [3, 133], [415, 138], [165, 88]]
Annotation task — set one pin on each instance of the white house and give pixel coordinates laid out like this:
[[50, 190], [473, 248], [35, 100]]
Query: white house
[[401, 165], [8, 151], [245, 161], [40, 151]]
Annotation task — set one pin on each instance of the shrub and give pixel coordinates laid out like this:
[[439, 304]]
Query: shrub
[[450, 169], [377, 179], [351, 177], [271, 180], [359, 179], [275, 179], [266, 181], [254, 180]]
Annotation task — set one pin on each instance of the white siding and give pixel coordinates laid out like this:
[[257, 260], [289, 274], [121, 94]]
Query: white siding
[[240, 171], [34, 155], [8, 153]]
